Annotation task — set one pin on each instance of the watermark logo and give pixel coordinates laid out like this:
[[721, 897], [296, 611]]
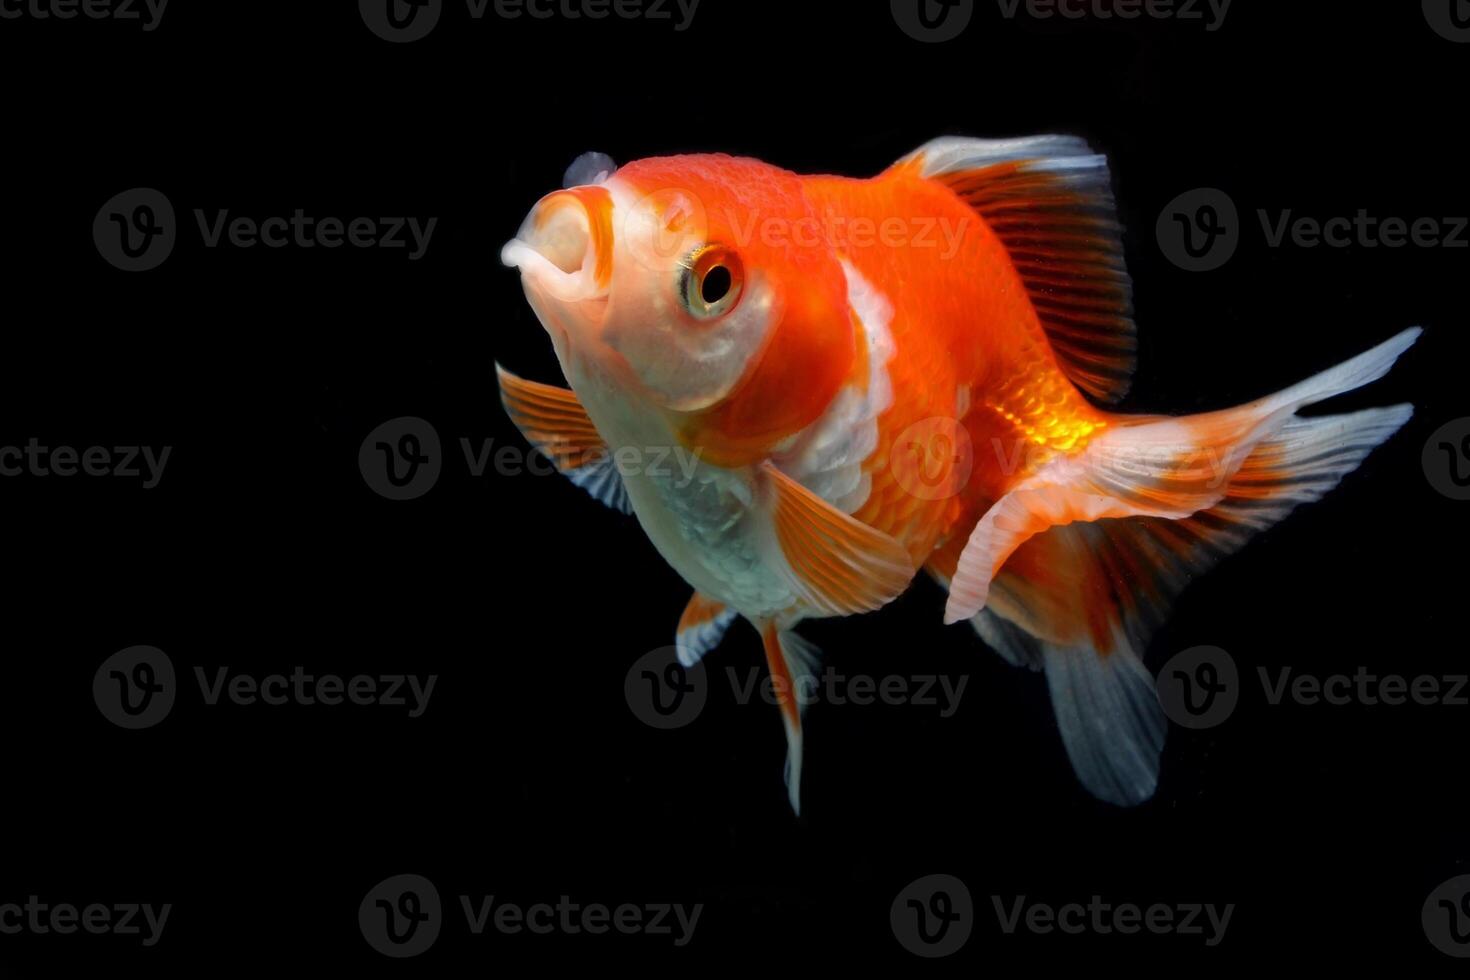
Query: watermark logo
[[1211, 12], [1446, 459], [573, 918], [838, 689], [149, 13], [665, 694], [40, 918], [135, 230], [302, 230], [401, 459], [933, 21], [933, 458], [663, 227], [933, 916], [1199, 230], [667, 225], [400, 21], [843, 233], [134, 688], [401, 916], [1362, 230], [1450, 19], [1102, 918], [1199, 687], [1363, 687], [125, 462], [1446, 917], [300, 688], [662, 692]]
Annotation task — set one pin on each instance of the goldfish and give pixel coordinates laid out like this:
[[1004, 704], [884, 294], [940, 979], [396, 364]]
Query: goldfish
[[906, 373]]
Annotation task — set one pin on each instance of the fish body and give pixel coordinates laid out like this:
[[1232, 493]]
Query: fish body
[[873, 377]]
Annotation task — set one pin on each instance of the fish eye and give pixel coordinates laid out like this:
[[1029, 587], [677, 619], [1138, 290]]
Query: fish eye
[[710, 280]]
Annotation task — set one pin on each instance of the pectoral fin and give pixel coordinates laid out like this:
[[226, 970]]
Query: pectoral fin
[[553, 420], [839, 565]]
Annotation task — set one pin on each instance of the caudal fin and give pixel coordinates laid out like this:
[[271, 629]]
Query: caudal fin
[[1073, 569]]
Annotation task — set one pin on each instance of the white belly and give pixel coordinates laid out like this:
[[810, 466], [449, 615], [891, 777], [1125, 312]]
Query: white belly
[[700, 517]]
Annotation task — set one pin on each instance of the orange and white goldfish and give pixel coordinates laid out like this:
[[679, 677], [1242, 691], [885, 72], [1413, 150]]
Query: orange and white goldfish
[[877, 376]]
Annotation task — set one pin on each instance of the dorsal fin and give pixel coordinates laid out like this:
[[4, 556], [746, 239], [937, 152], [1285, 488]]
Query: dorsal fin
[[1049, 201]]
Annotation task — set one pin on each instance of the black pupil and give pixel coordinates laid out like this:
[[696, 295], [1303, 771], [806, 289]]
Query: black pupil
[[716, 285]]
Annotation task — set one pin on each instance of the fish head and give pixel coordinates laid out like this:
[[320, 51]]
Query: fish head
[[701, 287]]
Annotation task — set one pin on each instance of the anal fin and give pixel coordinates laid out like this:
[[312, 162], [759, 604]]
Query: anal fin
[[793, 663]]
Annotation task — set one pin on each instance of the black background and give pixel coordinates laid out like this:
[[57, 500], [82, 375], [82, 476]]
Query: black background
[[528, 777]]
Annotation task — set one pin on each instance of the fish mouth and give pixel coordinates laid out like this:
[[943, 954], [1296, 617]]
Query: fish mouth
[[564, 247]]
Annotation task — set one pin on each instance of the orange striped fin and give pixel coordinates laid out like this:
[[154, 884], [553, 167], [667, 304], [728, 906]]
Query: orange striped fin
[[841, 565], [1048, 199], [554, 421]]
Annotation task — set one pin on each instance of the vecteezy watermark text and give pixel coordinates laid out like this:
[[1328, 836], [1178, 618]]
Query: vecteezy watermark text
[[388, 690], [570, 918], [1200, 230], [1211, 12], [402, 916], [936, 21], [666, 688], [304, 231], [148, 12], [835, 688], [40, 918], [136, 688], [670, 222], [124, 462], [1362, 230], [848, 233], [1104, 918], [402, 459], [136, 230], [1200, 688], [402, 21]]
